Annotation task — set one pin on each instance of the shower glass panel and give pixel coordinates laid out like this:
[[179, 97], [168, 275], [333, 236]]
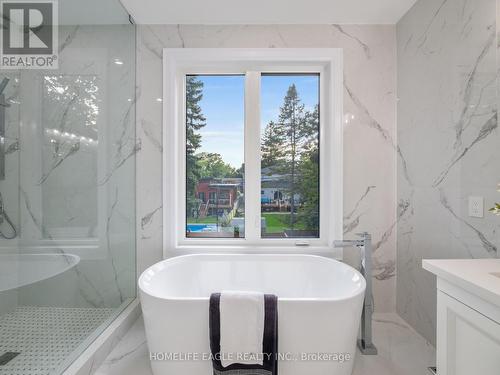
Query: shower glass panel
[[67, 191]]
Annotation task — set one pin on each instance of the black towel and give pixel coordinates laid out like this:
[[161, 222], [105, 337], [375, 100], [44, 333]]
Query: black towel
[[269, 344]]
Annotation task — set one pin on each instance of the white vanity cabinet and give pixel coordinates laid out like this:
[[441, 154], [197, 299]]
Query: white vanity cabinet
[[468, 316]]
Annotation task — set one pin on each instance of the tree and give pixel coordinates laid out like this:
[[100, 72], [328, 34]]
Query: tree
[[195, 120], [309, 189], [309, 173], [272, 146], [240, 172], [311, 130], [294, 130], [291, 147], [212, 165]]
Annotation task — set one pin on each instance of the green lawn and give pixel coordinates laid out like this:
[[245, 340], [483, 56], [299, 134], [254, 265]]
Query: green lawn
[[279, 222], [275, 222], [205, 220]]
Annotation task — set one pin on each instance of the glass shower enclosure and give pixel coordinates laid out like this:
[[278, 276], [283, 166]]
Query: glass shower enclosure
[[67, 191]]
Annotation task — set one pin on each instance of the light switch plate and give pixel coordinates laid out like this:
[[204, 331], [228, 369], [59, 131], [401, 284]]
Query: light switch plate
[[476, 207]]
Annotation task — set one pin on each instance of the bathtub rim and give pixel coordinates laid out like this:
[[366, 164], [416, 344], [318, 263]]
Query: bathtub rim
[[359, 292]]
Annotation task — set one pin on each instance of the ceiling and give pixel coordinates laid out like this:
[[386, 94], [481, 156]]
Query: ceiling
[[267, 11]]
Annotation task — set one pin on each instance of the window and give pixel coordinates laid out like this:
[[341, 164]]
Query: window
[[245, 139], [214, 128], [290, 155]]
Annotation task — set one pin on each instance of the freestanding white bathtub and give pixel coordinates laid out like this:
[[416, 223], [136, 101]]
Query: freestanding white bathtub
[[319, 309]]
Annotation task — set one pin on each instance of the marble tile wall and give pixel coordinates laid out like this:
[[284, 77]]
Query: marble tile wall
[[448, 144], [370, 146]]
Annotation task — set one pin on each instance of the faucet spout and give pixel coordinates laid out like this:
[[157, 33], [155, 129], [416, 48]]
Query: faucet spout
[[348, 243]]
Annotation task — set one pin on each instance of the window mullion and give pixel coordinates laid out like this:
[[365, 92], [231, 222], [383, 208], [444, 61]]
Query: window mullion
[[252, 157]]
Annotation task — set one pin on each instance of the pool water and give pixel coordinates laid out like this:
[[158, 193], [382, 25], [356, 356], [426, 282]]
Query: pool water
[[194, 228]]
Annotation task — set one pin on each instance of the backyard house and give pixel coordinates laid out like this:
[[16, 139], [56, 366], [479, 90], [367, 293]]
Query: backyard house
[[274, 195], [217, 195]]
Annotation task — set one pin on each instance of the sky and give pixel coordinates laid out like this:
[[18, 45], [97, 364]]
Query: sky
[[223, 106]]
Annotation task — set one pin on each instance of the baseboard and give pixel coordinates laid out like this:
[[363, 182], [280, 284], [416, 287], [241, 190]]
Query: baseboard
[[90, 360]]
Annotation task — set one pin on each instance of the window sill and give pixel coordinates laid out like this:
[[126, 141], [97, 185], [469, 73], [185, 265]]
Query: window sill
[[325, 251]]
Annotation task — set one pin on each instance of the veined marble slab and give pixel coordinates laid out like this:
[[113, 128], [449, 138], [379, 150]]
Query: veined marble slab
[[370, 148], [448, 134]]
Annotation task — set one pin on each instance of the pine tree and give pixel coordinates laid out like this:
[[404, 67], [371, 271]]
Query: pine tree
[[309, 173], [293, 127], [195, 120], [271, 147], [308, 188], [311, 129]]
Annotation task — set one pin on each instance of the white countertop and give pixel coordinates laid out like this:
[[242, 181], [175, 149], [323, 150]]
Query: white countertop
[[473, 275]]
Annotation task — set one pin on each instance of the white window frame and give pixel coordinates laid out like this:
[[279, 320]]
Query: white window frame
[[179, 62]]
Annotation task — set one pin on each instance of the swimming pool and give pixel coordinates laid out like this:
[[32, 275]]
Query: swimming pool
[[194, 228]]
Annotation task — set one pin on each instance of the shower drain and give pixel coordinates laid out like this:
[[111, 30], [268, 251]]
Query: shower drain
[[7, 357]]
